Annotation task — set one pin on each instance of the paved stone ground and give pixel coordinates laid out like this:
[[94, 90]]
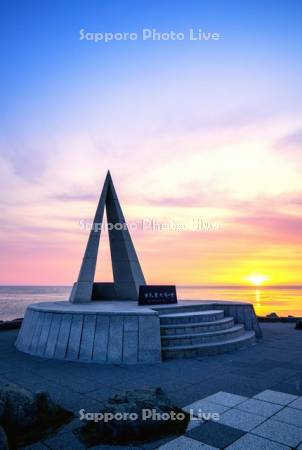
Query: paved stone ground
[[272, 364]]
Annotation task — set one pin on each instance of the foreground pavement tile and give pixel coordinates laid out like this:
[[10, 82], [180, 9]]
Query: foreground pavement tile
[[259, 407], [215, 434], [226, 399], [280, 432], [205, 406], [193, 424], [251, 442], [184, 442], [291, 416], [280, 398], [296, 403], [241, 419]]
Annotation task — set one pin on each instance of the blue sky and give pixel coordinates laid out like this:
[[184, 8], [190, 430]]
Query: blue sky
[[53, 82], [41, 46]]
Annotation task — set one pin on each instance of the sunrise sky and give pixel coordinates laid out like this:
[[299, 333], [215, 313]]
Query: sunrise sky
[[190, 131]]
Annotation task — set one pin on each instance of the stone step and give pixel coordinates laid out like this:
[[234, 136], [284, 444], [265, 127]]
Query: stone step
[[202, 338], [198, 327], [191, 317], [210, 348]]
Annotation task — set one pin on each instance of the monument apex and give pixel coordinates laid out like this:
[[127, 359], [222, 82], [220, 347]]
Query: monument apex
[[127, 272]]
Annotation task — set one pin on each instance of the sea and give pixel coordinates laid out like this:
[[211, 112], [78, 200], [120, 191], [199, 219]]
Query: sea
[[284, 301]]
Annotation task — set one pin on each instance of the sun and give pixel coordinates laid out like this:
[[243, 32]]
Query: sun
[[257, 279]]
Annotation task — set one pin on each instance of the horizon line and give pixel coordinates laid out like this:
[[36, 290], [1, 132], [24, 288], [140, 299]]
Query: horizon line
[[192, 286]]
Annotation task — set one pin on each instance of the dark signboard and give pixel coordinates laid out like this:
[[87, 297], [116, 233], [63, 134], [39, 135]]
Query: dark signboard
[[157, 295]]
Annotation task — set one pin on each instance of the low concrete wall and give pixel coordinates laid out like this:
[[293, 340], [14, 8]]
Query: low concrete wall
[[243, 313], [96, 337]]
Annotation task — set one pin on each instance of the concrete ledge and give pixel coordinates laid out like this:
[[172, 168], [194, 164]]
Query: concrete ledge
[[109, 307], [244, 314], [87, 333]]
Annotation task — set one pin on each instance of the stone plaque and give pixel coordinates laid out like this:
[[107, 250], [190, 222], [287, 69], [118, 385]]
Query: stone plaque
[[157, 295]]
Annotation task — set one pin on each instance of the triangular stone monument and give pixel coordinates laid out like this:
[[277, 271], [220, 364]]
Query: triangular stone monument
[[127, 272]]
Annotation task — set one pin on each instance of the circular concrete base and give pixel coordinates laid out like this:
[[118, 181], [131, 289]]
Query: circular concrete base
[[101, 332]]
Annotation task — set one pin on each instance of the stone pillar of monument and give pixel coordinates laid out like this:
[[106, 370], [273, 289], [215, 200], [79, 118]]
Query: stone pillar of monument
[[127, 272]]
